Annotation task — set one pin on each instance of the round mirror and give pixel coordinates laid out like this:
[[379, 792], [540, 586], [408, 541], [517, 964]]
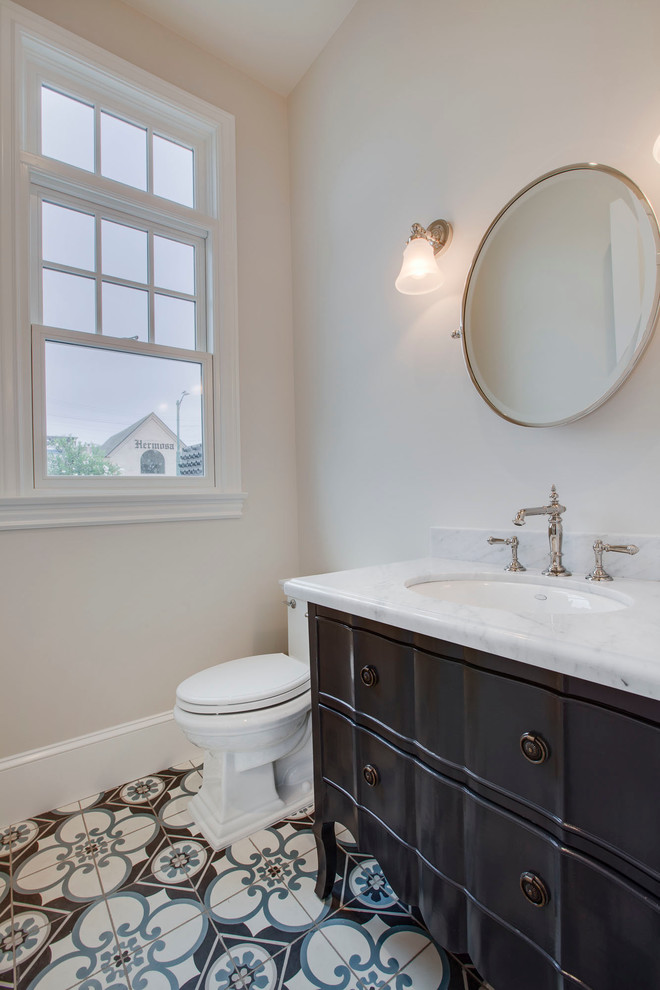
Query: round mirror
[[562, 296]]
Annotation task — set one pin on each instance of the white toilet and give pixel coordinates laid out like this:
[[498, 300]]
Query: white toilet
[[252, 718]]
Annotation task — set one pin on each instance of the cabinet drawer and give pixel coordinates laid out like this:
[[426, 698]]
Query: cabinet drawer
[[377, 775], [421, 807], [404, 692], [600, 929], [612, 775], [499, 712], [499, 850]]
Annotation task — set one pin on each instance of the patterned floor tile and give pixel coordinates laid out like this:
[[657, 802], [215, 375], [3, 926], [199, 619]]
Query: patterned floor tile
[[5, 894], [267, 906], [24, 838], [129, 799], [431, 969], [110, 822], [308, 963], [286, 840], [367, 890], [122, 858], [164, 942], [179, 914], [172, 803], [374, 949], [57, 958], [45, 843], [66, 883], [345, 839]]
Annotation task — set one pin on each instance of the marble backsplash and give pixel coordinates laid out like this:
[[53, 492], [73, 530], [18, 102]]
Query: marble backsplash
[[578, 554]]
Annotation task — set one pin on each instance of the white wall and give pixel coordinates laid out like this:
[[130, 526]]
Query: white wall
[[100, 624], [420, 109]]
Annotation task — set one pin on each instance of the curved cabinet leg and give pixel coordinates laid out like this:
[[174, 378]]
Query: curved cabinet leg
[[326, 847]]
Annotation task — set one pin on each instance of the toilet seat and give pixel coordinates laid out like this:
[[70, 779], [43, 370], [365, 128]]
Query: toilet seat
[[244, 685]]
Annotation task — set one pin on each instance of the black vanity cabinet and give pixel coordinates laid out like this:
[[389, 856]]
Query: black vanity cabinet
[[517, 807]]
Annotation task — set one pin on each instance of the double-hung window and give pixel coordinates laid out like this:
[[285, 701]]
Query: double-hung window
[[121, 350]]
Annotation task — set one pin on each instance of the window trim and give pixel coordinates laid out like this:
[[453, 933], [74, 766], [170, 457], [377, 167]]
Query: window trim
[[30, 45]]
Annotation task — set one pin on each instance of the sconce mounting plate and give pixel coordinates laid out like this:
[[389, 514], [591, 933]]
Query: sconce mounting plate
[[439, 233]]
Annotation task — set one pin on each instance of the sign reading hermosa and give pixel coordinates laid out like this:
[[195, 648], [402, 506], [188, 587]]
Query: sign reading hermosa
[[142, 444]]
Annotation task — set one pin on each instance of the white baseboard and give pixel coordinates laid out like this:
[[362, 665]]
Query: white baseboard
[[41, 779]]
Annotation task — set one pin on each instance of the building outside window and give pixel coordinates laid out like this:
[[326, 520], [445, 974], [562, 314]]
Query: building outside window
[[124, 221]]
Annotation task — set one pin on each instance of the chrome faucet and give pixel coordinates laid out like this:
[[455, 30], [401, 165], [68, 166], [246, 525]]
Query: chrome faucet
[[555, 531]]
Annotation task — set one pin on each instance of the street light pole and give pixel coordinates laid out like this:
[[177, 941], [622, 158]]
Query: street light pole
[[178, 439]]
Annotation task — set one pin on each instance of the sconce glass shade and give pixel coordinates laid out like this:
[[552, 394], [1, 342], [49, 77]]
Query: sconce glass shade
[[656, 149], [419, 271]]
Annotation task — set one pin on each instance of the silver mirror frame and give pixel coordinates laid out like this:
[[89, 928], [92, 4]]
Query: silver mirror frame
[[650, 326]]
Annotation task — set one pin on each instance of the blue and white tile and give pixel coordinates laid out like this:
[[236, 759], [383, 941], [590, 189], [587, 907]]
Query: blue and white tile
[[375, 950], [307, 963], [285, 841], [121, 855], [264, 907], [5, 895], [84, 945], [52, 843], [16, 839], [179, 862], [20, 938], [116, 821], [171, 805], [130, 802], [276, 885], [367, 890], [431, 969], [345, 838], [62, 871], [163, 931]]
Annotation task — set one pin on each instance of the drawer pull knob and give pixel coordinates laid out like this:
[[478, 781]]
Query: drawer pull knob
[[534, 889], [369, 676], [371, 775], [534, 748]]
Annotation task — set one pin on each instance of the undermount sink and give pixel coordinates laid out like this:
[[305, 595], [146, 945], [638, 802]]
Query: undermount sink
[[538, 596]]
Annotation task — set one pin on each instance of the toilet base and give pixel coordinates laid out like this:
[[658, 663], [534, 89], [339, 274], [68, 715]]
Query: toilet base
[[219, 835], [237, 799]]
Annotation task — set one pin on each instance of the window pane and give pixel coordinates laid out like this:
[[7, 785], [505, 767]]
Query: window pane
[[123, 151], [173, 171], [67, 129], [69, 301], [106, 410], [174, 265], [67, 236], [125, 311], [174, 321], [124, 251]]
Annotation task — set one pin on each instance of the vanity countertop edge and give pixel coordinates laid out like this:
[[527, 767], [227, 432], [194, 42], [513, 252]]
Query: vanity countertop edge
[[618, 649]]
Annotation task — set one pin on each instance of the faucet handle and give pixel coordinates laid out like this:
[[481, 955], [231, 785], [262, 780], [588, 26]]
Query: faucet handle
[[513, 542], [599, 573]]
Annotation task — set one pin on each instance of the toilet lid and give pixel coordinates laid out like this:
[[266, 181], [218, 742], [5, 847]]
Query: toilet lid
[[244, 685]]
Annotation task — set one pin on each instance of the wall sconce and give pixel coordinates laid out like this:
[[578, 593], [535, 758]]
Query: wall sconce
[[419, 270]]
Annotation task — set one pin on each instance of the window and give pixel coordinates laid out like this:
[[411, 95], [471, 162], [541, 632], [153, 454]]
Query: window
[[123, 348], [152, 462]]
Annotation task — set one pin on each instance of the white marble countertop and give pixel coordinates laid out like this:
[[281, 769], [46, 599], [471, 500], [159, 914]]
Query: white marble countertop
[[620, 649]]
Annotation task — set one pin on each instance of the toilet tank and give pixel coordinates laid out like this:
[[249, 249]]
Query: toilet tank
[[298, 631]]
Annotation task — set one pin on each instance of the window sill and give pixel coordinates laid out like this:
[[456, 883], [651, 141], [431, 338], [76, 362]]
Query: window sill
[[51, 511]]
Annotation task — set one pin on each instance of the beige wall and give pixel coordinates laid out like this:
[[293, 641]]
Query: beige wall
[[99, 624], [419, 109]]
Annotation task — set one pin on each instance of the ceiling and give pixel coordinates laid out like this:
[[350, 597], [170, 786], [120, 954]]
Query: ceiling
[[274, 41]]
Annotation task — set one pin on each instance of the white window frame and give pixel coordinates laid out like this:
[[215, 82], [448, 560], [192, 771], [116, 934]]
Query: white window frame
[[32, 51]]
